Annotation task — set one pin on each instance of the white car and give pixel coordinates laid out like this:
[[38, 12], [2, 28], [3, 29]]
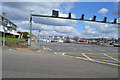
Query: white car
[[116, 44]]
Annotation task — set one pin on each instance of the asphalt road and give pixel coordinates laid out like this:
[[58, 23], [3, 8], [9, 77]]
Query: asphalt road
[[82, 48], [42, 63]]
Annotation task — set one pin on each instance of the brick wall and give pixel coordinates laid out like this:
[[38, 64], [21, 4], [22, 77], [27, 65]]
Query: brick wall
[[21, 44]]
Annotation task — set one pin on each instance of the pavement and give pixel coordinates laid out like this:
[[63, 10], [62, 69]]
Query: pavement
[[58, 60]]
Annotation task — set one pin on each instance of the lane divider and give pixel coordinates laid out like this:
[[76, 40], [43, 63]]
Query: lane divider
[[110, 57], [107, 60], [107, 63], [81, 58], [87, 57]]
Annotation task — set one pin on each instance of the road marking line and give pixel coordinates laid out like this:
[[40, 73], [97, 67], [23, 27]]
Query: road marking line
[[87, 57], [107, 63], [44, 47], [55, 53], [116, 62], [110, 57], [81, 58], [63, 54], [68, 56], [105, 60]]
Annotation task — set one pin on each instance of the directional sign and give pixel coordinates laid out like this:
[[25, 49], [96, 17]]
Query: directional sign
[[39, 30]]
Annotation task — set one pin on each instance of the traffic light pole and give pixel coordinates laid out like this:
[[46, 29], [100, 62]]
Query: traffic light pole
[[56, 14], [104, 21], [30, 29]]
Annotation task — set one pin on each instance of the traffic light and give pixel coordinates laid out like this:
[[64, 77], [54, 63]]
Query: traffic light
[[31, 18], [105, 19], [69, 16], [115, 20], [55, 13], [82, 17], [94, 18]]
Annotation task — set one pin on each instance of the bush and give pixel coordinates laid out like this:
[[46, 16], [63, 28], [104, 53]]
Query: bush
[[67, 41]]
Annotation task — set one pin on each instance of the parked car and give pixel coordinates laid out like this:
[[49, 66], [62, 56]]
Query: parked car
[[116, 44]]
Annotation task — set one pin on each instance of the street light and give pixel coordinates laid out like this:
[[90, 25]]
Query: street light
[[31, 26]]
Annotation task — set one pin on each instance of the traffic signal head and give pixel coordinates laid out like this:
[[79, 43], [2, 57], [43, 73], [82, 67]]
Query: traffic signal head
[[94, 18], [82, 17], [105, 19], [115, 20], [69, 16]]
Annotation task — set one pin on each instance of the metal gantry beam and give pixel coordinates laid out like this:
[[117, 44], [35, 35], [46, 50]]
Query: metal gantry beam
[[37, 15]]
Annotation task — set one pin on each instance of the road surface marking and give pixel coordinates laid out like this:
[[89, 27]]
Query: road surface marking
[[106, 60], [106, 63], [81, 58], [63, 54], [87, 57], [110, 57], [44, 47], [49, 49], [55, 53]]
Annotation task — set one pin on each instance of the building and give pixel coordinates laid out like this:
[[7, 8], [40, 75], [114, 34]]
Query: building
[[7, 27], [44, 38]]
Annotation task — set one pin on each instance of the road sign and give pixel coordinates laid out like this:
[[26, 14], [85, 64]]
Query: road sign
[[39, 30]]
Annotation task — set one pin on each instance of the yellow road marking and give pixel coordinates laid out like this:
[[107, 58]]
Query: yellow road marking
[[107, 63], [63, 54], [55, 53], [87, 57], [106, 60], [81, 58], [110, 57]]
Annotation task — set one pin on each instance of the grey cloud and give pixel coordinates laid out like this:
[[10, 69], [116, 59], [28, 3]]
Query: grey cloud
[[55, 22], [20, 11], [100, 30]]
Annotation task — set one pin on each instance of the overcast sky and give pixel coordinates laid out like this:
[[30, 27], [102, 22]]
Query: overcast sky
[[18, 12]]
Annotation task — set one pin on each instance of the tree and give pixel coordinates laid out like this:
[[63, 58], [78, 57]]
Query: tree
[[25, 34], [76, 38]]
